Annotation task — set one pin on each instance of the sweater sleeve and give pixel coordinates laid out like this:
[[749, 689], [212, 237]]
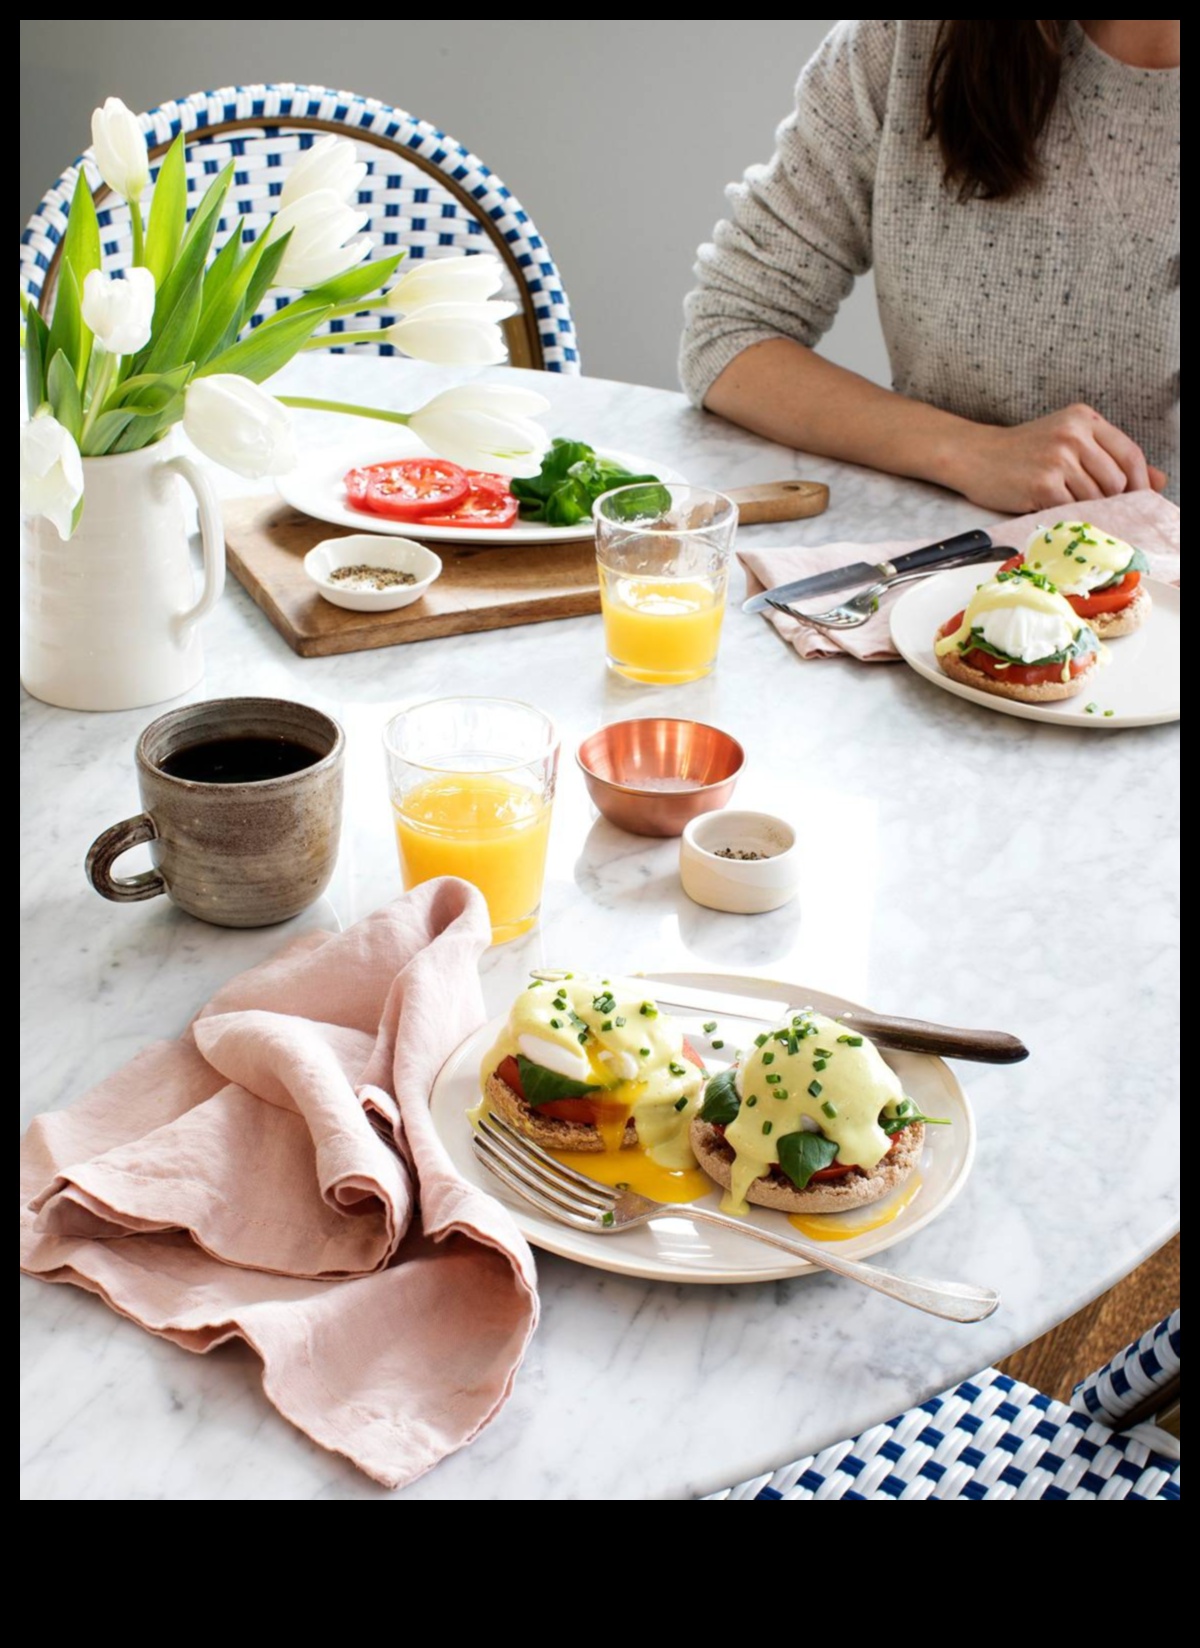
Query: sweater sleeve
[[799, 229]]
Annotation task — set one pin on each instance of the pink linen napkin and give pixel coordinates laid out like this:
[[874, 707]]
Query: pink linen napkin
[[274, 1175], [1141, 518]]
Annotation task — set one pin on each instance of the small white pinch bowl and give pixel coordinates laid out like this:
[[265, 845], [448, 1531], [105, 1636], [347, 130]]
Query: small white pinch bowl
[[372, 549], [744, 887]]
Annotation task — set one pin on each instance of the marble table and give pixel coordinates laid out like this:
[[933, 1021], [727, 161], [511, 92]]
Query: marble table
[[964, 866]]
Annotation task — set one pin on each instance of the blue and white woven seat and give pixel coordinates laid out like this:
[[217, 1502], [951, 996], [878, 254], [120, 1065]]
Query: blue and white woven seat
[[423, 190], [994, 1438]]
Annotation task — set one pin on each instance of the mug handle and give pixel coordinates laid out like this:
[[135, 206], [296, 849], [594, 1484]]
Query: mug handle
[[212, 543], [107, 848]]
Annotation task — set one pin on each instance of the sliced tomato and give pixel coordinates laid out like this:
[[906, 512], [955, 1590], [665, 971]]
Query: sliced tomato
[[488, 503], [593, 1111], [411, 489], [1100, 600], [1025, 675], [839, 1171]]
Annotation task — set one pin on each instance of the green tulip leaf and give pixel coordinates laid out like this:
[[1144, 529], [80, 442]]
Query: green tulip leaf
[[37, 339], [183, 288], [67, 331], [81, 250], [168, 213], [348, 288], [262, 352], [62, 391]]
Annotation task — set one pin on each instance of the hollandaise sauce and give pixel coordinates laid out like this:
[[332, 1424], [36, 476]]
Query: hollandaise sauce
[[1077, 556], [842, 1227], [810, 1074], [615, 1050], [1029, 622]]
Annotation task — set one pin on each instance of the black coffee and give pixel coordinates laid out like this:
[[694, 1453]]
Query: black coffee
[[239, 760]]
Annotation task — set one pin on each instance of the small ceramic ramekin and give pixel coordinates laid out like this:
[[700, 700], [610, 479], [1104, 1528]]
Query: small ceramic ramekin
[[743, 886], [372, 549]]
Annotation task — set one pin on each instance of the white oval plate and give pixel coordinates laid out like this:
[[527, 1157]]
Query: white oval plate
[[675, 1250], [315, 488], [1139, 683]]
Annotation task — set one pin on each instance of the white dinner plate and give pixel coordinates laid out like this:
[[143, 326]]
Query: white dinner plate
[[315, 488], [672, 1249], [1139, 683]]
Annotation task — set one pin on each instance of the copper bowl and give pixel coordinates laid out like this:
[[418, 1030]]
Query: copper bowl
[[653, 776]]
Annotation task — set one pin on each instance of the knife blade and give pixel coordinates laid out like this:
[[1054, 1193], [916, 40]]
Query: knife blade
[[866, 572], [902, 1034]]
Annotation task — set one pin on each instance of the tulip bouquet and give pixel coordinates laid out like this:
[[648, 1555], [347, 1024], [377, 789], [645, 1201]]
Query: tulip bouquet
[[125, 357]]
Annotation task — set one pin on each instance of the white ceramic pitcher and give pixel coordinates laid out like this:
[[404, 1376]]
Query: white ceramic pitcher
[[110, 618]]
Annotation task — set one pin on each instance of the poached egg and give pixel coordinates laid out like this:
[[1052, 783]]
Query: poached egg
[[1076, 556], [1025, 620]]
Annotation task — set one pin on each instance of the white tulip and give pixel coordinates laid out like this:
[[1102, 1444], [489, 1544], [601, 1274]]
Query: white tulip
[[320, 249], [485, 426], [237, 424], [120, 148], [332, 163], [51, 472], [119, 312], [447, 280], [453, 334]]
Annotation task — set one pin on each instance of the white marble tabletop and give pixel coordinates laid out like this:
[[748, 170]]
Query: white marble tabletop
[[964, 866]]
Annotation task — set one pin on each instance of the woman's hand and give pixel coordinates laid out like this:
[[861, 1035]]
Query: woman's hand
[[1066, 457]]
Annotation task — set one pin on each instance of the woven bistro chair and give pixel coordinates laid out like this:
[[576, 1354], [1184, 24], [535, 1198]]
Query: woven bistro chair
[[993, 1437], [424, 191]]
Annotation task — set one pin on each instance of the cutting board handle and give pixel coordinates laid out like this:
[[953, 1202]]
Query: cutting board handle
[[779, 501]]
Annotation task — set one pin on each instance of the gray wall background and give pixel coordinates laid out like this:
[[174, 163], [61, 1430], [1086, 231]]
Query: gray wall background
[[618, 137]]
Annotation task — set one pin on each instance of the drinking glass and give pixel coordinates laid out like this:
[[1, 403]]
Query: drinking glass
[[663, 555], [472, 786]]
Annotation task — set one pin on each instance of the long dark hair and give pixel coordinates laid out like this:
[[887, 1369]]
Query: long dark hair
[[991, 88]]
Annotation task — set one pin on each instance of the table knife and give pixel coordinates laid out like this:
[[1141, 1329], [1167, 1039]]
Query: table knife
[[905, 1035], [867, 572]]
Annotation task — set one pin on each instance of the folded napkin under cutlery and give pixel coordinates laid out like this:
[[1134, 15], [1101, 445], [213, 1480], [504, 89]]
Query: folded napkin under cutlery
[[1143, 519], [274, 1175]]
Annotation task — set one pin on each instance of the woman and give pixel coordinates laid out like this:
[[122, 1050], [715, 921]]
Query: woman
[[1016, 187]]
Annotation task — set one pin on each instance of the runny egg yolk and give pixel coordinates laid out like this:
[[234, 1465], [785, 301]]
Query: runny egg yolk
[[628, 1061], [842, 1227]]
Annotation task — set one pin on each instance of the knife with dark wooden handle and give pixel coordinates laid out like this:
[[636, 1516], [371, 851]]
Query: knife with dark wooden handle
[[779, 501], [920, 1036]]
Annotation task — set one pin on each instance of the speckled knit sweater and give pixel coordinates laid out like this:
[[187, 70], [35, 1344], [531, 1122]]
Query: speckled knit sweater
[[999, 311]]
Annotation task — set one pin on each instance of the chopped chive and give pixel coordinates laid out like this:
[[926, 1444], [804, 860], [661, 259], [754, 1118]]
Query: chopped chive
[[710, 1027], [752, 1101], [815, 1088], [556, 1024], [760, 1041], [819, 1064], [772, 1079], [648, 1010], [767, 1126], [822, 1052], [768, 1058], [608, 1219], [903, 1107], [793, 1045], [1090, 709], [829, 1110], [718, 1044], [681, 1104], [582, 1037], [677, 1069], [781, 1093], [1110, 712], [607, 1025], [851, 1041], [536, 985], [619, 1022], [644, 1051], [621, 1184]]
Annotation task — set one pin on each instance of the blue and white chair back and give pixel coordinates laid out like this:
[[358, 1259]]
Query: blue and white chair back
[[424, 192]]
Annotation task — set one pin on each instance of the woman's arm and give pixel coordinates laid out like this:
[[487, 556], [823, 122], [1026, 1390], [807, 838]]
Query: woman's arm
[[780, 389]]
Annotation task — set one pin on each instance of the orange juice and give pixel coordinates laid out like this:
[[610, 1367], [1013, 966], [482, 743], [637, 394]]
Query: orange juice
[[485, 828], [661, 630]]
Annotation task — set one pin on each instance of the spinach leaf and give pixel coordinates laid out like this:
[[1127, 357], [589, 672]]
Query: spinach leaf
[[906, 1114], [721, 1102], [1085, 641], [570, 480], [803, 1154], [542, 1086], [1137, 563]]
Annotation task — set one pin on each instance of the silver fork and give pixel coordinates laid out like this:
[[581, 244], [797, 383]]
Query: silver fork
[[859, 609], [601, 1210]]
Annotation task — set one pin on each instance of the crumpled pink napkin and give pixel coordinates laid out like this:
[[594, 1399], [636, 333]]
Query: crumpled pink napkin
[[274, 1175], [1141, 518]]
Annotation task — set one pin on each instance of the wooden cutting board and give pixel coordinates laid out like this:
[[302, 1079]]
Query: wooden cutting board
[[495, 587]]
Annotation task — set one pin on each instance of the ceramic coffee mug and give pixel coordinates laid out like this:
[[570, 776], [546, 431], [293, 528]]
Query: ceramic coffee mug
[[242, 808]]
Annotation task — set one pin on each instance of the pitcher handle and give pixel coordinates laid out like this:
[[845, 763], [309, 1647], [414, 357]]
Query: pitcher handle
[[212, 541]]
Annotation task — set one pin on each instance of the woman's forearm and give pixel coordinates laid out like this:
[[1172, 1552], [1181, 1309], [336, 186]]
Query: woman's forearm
[[784, 391], [791, 395]]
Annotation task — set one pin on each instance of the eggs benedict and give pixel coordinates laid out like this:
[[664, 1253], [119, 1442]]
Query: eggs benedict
[[588, 1064], [810, 1120], [1102, 577], [1019, 637]]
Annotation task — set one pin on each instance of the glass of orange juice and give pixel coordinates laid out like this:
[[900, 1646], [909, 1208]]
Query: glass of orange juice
[[472, 785], [663, 555]]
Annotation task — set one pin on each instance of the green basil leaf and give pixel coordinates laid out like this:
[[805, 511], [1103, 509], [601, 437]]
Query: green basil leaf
[[721, 1102], [803, 1154], [542, 1086], [570, 480]]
